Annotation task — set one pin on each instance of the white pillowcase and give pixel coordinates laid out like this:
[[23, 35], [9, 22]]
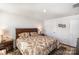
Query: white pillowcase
[[3, 52]]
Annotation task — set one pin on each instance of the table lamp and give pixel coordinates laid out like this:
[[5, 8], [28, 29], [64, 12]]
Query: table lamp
[[39, 29], [1, 35]]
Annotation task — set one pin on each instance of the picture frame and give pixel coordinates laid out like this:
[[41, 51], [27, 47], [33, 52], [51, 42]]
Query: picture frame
[[62, 25]]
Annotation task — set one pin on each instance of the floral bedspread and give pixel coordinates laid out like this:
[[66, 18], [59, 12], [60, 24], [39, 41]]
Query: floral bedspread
[[36, 45]]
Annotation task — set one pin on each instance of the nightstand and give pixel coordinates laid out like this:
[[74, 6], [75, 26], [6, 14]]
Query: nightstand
[[8, 45]]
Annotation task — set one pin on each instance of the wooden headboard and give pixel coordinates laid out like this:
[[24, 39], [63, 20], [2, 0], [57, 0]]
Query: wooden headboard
[[21, 30]]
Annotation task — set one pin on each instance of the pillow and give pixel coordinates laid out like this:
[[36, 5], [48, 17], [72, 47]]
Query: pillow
[[24, 35], [3, 52], [34, 34]]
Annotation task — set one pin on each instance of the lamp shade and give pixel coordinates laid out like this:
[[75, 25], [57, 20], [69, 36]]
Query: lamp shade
[[39, 29], [1, 32], [3, 29]]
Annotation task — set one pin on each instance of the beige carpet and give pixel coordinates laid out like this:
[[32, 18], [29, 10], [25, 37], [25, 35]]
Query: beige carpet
[[64, 50]]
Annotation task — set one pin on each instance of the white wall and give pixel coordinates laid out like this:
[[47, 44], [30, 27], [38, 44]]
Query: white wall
[[12, 21], [66, 35]]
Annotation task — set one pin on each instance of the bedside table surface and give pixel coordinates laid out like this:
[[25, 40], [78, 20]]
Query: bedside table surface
[[6, 44]]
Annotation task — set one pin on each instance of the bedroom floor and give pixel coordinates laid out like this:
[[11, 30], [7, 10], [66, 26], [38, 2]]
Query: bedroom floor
[[63, 50]]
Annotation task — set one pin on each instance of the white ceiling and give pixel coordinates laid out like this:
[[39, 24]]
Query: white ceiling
[[35, 11]]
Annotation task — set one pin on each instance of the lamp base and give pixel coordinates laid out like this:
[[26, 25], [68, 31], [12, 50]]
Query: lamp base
[[1, 38]]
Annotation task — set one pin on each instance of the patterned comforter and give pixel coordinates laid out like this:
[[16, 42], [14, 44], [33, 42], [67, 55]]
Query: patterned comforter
[[36, 45]]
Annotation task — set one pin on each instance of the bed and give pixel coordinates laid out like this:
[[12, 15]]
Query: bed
[[34, 44]]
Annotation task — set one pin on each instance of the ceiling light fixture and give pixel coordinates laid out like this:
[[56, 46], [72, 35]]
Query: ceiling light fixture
[[44, 10]]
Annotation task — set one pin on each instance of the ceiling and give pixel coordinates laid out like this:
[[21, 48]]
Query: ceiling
[[39, 11]]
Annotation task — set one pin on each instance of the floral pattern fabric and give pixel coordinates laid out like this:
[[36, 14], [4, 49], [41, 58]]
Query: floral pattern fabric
[[36, 45]]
